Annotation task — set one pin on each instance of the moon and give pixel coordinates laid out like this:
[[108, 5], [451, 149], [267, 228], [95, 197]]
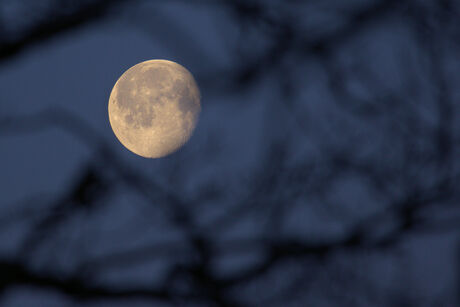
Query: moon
[[154, 108]]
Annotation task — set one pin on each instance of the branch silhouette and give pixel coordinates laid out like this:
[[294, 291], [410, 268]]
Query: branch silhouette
[[381, 164]]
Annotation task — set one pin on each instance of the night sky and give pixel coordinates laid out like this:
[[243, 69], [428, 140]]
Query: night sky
[[323, 170]]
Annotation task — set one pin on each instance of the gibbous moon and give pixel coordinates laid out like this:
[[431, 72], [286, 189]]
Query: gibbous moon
[[154, 107]]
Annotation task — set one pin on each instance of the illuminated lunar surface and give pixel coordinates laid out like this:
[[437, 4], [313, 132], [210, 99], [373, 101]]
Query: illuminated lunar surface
[[154, 107]]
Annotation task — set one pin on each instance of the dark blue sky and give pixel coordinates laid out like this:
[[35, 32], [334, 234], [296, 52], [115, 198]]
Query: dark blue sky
[[318, 136]]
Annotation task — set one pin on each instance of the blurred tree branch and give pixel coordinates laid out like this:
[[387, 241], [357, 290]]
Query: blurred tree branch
[[61, 16], [412, 176]]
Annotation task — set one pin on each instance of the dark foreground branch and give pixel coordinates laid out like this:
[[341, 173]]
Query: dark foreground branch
[[59, 20], [14, 274]]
